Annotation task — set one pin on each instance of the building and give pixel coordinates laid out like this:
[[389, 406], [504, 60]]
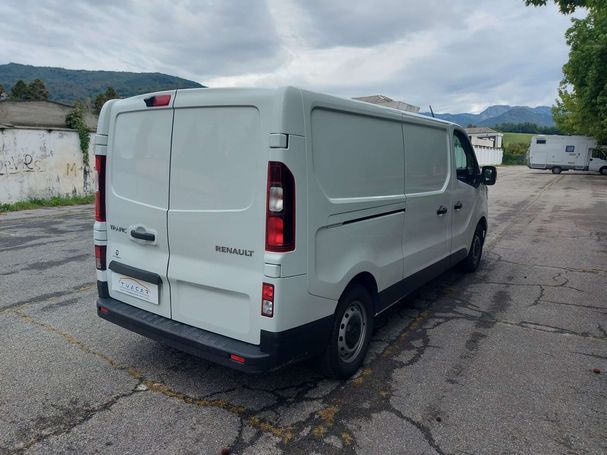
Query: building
[[487, 145], [39, 114], [388, 102], [39, 156], [485, 137]]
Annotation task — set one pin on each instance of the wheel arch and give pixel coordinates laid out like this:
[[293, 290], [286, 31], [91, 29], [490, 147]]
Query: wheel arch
[[367, 280]]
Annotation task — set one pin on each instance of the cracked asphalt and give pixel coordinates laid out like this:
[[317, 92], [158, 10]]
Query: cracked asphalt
[[500, 361]]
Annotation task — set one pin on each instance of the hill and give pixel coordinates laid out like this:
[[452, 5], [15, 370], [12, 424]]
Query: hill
[[69, 85], [498, 114]]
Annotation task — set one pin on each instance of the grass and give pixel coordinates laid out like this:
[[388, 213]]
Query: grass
[[512, 138], [515, 147], [56, 201]]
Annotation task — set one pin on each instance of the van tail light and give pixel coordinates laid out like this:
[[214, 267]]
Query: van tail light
[[100, 256], [280, 209], [100, 190], [267, 300]]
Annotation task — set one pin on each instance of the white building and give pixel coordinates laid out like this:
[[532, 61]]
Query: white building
[[388, 102], [487, 145]]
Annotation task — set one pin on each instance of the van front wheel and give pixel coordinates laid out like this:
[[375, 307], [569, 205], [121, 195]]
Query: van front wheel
[[352, 329], [472, 261], [556, 170]]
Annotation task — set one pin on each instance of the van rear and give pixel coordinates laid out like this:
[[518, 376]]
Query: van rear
[[197, 219]]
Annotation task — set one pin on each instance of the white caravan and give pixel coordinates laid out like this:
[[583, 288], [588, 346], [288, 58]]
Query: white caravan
[[562, 153], [256, 227]]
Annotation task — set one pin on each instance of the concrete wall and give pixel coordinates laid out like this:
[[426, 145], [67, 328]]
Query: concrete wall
[[39, 114], [41, 163]]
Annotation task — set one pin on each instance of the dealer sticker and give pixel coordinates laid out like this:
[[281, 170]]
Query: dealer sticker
[[135, 288]]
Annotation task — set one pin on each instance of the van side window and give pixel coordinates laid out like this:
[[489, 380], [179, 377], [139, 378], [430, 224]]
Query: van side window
[[540, 141], [570, 148], [465, 160], [426, 158], [355, 155]]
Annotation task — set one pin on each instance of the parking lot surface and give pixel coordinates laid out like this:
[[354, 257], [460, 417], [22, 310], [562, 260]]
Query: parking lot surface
[[511, 359]]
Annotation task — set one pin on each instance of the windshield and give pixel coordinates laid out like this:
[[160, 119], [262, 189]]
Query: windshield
[[600, 154]]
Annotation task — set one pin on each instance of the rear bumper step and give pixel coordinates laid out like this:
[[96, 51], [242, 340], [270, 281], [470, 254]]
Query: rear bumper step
[[275, 349]]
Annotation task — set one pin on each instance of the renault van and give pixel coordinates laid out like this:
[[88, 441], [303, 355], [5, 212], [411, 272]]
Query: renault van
[[257, 227]]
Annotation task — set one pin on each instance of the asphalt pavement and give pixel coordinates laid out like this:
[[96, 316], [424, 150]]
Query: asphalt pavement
[[511, 359]]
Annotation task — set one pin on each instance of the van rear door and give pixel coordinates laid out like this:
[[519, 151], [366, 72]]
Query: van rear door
[[217, 215], [137, 203]]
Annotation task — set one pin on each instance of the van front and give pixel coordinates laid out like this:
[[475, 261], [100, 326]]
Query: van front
[[199, 214]]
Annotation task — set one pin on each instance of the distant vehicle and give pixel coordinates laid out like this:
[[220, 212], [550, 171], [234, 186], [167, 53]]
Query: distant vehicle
[[256, 227], [563, 153]]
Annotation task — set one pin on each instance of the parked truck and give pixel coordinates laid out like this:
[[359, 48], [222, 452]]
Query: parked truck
[[562, 153]]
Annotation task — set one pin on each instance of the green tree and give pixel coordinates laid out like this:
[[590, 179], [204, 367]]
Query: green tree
[[38, 90], [581, 106], [566, 6], [21, 91], [100, 100]]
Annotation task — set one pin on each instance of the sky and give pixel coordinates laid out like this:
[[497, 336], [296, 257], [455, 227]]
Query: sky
[[458, 56]]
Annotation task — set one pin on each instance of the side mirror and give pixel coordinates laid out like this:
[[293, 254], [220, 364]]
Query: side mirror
[[488, 175]]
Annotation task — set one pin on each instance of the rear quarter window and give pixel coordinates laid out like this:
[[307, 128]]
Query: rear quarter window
[[356, 155]]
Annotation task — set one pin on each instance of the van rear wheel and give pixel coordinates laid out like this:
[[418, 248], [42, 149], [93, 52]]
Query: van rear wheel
[[351, 334], [473, 260], [556, 170], [603, 170]]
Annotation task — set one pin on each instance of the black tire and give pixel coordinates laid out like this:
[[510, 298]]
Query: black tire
[[603, 170], [473, 260], [556, 170], [351, 334]]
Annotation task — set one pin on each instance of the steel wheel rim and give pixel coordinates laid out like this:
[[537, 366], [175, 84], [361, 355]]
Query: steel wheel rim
[[351, 334]]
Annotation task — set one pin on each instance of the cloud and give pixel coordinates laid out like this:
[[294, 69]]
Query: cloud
[[457, 56]]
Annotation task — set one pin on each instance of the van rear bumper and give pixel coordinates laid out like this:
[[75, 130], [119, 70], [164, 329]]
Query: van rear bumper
[[276, 348]]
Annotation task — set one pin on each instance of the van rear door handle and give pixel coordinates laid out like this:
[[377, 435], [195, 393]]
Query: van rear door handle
[[143, 235], [458, 205], [441, 210]]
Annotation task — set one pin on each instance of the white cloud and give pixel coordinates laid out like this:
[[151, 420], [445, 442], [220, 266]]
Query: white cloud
[[457, 56]]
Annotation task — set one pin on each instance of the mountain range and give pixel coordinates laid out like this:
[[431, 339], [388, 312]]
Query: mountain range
[[498, 114], [69, 85]]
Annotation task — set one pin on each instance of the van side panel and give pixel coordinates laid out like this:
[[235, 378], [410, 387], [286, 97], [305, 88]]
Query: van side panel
[[356, 199]]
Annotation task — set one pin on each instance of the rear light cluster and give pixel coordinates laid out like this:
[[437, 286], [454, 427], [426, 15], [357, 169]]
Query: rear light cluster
[[100, 190], [280, 209], [267, 300], [100, 257], [100, 250]]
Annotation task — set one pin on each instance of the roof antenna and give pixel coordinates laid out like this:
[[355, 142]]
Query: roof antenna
[[431, 111]]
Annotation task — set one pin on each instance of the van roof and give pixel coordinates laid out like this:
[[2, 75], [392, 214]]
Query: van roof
[[315, 98]]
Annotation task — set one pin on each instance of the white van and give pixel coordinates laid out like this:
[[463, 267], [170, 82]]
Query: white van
[[256, 227], [562, 153]]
